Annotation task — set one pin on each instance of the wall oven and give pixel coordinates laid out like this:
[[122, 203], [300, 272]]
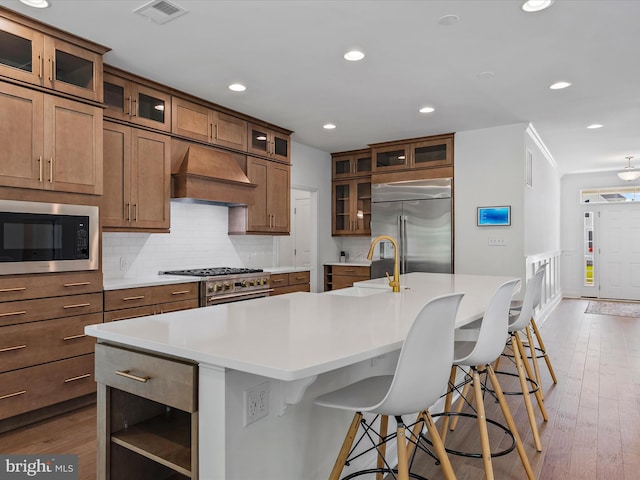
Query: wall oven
[[47, 237]]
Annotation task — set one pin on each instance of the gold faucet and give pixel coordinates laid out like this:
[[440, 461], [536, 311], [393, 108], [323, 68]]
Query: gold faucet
[[395, 283]]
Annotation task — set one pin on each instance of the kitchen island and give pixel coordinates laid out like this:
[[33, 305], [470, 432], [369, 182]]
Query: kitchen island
[[290, 348]]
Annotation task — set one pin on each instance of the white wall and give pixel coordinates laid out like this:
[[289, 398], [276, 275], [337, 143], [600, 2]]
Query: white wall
[[489, 170]]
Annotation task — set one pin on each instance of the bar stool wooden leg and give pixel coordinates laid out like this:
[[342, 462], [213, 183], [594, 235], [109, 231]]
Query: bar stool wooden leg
[[346, 447], [544, 350], [467, 393], [447, 403], [534, 360], [517, 353], [382, 450], [403, 457], [506, 412], [438, 446], [529, 374], [482, 426]]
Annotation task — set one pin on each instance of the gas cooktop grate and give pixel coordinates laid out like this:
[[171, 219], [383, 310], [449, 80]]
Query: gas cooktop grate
[[213, 272]]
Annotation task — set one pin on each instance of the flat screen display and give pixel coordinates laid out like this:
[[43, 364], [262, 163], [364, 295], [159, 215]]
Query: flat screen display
[[494, 216]]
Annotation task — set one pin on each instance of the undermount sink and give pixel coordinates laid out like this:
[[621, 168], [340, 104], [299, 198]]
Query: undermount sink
[[358, 291]]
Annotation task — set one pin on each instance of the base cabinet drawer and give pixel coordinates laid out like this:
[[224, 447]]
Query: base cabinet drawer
[[282, 283], [46, 308], [36, 387], [34, 343], [162, 380], [24, 287]]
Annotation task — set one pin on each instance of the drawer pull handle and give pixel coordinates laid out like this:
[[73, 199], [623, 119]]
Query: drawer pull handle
[[73, 337], [139, 297], [77, 284], [126, 374], [10, 349], [278, 280], [9, 314], [181, 292], [15, 394], [350, 270], [16, 289], [79, 377], [300, 278], [77, 305]]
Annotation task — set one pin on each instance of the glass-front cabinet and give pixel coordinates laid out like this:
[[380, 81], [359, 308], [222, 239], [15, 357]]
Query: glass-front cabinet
[[436, 151], [268, 143], [352, 207], [353, 164], [31, 56], [137, 103]]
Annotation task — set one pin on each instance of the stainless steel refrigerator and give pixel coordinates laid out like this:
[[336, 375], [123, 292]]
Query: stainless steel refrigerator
[[417, 214]]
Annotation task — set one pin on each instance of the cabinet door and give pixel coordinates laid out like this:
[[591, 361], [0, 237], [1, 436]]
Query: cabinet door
[[150, 107], [229, 131], [342, 166], [257, 217], [191, 120], [258, 140], [21, 52], [278, 188], [73, 70], [362, 164], [72, 146], [390, 158], [150, 180], [21, 137], [115, 210], [342, 219], [362, 206], [432, 153], [117, 97], [280, 147]]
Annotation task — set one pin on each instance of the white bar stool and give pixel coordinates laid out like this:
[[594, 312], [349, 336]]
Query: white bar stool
[[419, 380]]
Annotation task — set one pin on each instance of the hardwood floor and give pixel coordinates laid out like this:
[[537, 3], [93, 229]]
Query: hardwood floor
[[593, 430]]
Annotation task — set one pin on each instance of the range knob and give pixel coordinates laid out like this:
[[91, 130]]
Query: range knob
[[226, 286], [265, 281], [214, 288], [244, 283]]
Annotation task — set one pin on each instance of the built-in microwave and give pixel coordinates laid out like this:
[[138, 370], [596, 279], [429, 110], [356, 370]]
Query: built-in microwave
[[47, 237]]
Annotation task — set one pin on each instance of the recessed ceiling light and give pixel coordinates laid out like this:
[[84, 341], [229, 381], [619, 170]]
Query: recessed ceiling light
[[354, 55], [237, 87], [560, 85], [427, 110], [595, 125], [36, 3], [448, 20], [531, 6], [485, 75], [328, 126]]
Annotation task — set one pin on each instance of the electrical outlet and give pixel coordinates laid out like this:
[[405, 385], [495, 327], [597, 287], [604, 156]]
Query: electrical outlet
[[256, 403], [124, 263], [497, 241]]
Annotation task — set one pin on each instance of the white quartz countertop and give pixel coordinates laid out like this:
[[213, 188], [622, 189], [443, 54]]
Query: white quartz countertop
[[293, 336], [285, 269], [150, 281]]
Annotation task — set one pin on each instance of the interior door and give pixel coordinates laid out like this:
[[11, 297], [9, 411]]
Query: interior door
[[619, 252], [302, 235]]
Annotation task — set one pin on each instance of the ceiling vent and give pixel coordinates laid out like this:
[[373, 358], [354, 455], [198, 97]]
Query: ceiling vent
[[160, 11]]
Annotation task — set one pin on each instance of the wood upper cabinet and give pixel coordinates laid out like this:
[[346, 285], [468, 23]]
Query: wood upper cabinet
[[198, 122], [351, 164], [270, 214], [49, 142], [137, 179], [351, 207], [72, 146], [29, 55], [268, 143], [428, 152], [134, 102]]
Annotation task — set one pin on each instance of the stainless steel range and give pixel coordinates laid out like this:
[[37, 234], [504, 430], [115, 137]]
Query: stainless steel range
[[226, 284]]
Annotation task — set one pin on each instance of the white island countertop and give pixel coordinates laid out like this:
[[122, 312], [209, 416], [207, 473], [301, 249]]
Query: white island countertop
[[293, 336]]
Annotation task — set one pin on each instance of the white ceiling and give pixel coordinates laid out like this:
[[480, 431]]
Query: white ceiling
[[289, 54]]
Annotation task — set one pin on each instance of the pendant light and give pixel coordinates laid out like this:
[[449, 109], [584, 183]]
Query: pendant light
[[629, 173]]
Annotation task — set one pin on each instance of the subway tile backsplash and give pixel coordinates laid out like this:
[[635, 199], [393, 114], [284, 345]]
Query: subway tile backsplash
[[198, 238]]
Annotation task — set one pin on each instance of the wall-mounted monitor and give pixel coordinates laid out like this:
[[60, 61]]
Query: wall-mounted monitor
[[494, 216]]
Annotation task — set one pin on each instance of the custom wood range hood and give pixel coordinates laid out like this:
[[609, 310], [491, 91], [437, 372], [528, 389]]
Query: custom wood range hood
[[211, 175]]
